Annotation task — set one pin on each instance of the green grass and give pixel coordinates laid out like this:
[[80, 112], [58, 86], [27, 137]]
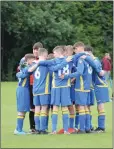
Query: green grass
[[8, 120]]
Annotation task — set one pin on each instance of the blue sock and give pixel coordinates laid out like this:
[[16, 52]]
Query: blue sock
[[101, 120], [47, 120], [77, 119], [37, 121], [20, 120], [54, 120], [71, 121], [43, 121], [65, 119], [82, 119], [87, 121], [91, 126]]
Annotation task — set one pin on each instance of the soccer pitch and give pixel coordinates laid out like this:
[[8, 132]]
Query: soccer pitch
[[8, 124]]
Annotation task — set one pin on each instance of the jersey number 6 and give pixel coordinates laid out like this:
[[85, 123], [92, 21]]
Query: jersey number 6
[[37, 73]]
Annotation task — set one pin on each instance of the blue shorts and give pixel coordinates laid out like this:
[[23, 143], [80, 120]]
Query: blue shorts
[[41, 100], [23, 99], [91, 98], [72, 93], [82, 98], [102, 94], [60, 96]]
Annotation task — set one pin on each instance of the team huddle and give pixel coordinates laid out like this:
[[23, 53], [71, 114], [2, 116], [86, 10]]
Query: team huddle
[[61, 79]]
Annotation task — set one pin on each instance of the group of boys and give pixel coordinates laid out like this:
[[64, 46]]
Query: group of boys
[[61, 79]]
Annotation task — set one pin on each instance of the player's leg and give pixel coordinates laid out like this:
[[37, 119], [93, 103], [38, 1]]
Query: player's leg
[[31, 113], [54, 119], [55, 102], [71, 108], [71, 117], [37, 113], [45, 101], [23, 106], [87, 121], [102, 96], [76, 117], [65, 102], [20, 120], [81, 100]]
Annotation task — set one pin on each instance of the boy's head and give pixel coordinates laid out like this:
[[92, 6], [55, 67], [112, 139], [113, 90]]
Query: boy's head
[[88, 49], [29, 58], [58, 51], [50, 56], [78, 47], [43, 53], [36, 47], [69, 50]]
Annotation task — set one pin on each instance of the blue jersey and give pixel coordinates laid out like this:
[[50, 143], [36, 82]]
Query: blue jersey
[[23, 77], [41, 84], [57, 82], [58, 66], [83, 76], [97, 80]]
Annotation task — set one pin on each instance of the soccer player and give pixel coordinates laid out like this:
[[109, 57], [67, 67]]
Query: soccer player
[[69, 52], [22, 95], [101, 91], [83, 77], [41, 91], [60, 94], [36, 47]]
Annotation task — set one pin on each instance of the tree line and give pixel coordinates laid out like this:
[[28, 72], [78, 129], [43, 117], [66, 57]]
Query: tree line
[[52, 23]]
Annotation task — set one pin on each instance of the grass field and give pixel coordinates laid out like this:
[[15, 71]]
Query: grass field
[[8, 124]]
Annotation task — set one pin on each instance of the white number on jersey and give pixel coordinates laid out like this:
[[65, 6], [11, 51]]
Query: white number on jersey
[[37, 73], [89, 69], [65, 70]]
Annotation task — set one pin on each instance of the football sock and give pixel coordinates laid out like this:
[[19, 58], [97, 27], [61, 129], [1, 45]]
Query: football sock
[[54, 120], [91, 126], [77, 118], [82, 118], [37, 121], [43, 121], [101, 119], [20, 120], [65, 119], [87, 120], [31, 120], [71, 121]]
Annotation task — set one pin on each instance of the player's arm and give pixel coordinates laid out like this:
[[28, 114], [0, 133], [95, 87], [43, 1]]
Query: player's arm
[[47, 63], [33, 67], [60, 65], [94, 64], [77, 56], [21, 75], [79, 71]]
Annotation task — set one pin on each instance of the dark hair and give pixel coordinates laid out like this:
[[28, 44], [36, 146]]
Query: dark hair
[[41, 51], [37, 45], [29, 56], [78, 44], [88, 48]]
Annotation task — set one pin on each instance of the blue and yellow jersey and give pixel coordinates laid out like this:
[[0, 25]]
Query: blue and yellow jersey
[[83, 76], [23, 77], [41, 84], [98, 80], [57, 82], [58, 66]]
